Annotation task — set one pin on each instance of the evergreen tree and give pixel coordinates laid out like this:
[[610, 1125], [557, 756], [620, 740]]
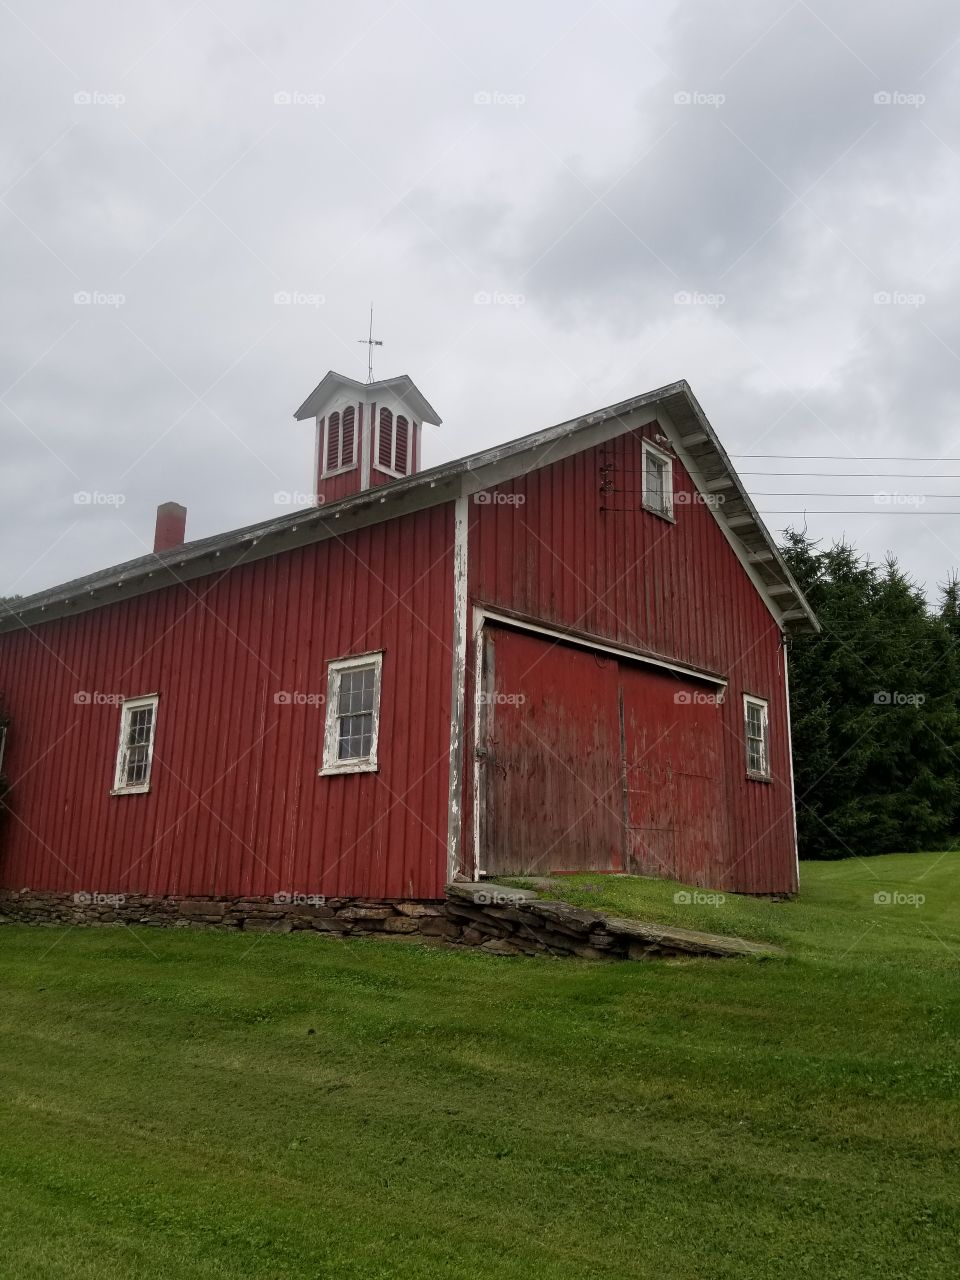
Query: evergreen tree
[[875, 705]]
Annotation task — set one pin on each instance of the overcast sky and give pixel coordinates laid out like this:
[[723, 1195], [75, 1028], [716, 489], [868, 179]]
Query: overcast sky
[[759, 197]]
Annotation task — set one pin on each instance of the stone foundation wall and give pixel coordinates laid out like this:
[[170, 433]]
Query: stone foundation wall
[[282, 913], [495, 918]]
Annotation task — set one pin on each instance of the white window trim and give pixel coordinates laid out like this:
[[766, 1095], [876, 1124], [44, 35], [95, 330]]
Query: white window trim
[[749, 700], [332, 765], [128, 705], [650, 449], [357, 424], [3, 743], [389, 471]]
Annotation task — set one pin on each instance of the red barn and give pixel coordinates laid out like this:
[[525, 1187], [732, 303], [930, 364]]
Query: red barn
[[568, 652]]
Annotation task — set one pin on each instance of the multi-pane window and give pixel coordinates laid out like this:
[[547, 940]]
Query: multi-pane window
[[353, 714], [340, 435], [393, 443], [756, 733], [138, 724], [657, 480]]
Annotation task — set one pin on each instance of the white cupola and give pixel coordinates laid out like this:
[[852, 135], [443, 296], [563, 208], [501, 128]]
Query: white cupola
[[368, 433]]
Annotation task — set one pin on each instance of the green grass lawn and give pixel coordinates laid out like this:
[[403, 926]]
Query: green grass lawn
[[186, 1104]]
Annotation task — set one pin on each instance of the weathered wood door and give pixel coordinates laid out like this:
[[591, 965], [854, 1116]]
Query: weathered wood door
[[549, 760], [673, 748]]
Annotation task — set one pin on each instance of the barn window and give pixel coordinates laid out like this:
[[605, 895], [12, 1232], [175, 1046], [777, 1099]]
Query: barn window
[[341, 436], [657, 480], [353, 714], [756, 728], [138, 725], [393, 443]]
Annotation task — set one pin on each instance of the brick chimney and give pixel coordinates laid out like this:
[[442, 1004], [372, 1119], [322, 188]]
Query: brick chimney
[[171, 526]]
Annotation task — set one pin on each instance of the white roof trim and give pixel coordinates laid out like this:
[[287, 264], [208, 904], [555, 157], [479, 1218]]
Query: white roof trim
[[671, 405], [402, 387]]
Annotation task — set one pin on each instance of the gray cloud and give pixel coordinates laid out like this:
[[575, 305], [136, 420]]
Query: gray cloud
[[425, 155]]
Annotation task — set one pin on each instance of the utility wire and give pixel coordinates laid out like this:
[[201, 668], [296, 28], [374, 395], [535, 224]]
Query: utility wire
[[858, 475], [812, 493], [815, 511], [844, 457]]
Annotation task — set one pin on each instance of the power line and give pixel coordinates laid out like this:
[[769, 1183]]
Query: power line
[[813, 493], [814, 511], [858, 475], [844, 457]]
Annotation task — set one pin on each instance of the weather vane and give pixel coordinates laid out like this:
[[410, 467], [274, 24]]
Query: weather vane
[[370, 342]]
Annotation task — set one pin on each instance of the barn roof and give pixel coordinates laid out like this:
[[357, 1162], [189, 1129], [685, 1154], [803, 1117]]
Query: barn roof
[[401, 386], [675, 406]]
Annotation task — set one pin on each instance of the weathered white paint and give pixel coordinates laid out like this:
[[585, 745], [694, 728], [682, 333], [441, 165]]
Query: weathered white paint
[[723, 524], [413, 493], [366, 443], [478, 633], [331, 763], [127, 707], [649, 450], [458, 677], [793, 789], [750, 700], [317, 459]]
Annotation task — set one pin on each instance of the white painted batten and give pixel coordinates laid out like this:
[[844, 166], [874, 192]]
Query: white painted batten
[[461, 568]]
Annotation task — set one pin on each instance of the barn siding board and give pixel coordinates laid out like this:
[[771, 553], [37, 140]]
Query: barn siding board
[[675, 589], [557, 807], [236, 806]]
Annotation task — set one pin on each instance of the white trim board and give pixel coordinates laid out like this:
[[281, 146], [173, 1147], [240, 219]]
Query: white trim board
[[696, 475], [426, 489], [461, 566], [333, 765], [586, 640]]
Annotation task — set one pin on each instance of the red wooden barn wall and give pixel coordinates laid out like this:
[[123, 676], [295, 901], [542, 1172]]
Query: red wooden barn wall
[[674, 589], [236, 806]]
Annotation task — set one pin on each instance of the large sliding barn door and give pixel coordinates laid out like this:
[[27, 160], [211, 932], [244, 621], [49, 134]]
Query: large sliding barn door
[[551, 795], [673, 748], [590, 763]]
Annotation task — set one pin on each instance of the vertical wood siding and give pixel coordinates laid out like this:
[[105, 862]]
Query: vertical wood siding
[[236, 806], [564, 552]]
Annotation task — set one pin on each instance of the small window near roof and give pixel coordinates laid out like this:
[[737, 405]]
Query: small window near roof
[[353, 714], [756, 729], [138, 726], [657, 480]]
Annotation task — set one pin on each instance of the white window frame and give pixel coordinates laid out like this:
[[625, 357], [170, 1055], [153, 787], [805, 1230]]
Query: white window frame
[[357, 422], [650, 450], [332, 764], [758, 775], [126, 707], [390, 471]]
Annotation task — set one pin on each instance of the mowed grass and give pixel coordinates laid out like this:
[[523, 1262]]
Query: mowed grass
[[178, 1103]]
